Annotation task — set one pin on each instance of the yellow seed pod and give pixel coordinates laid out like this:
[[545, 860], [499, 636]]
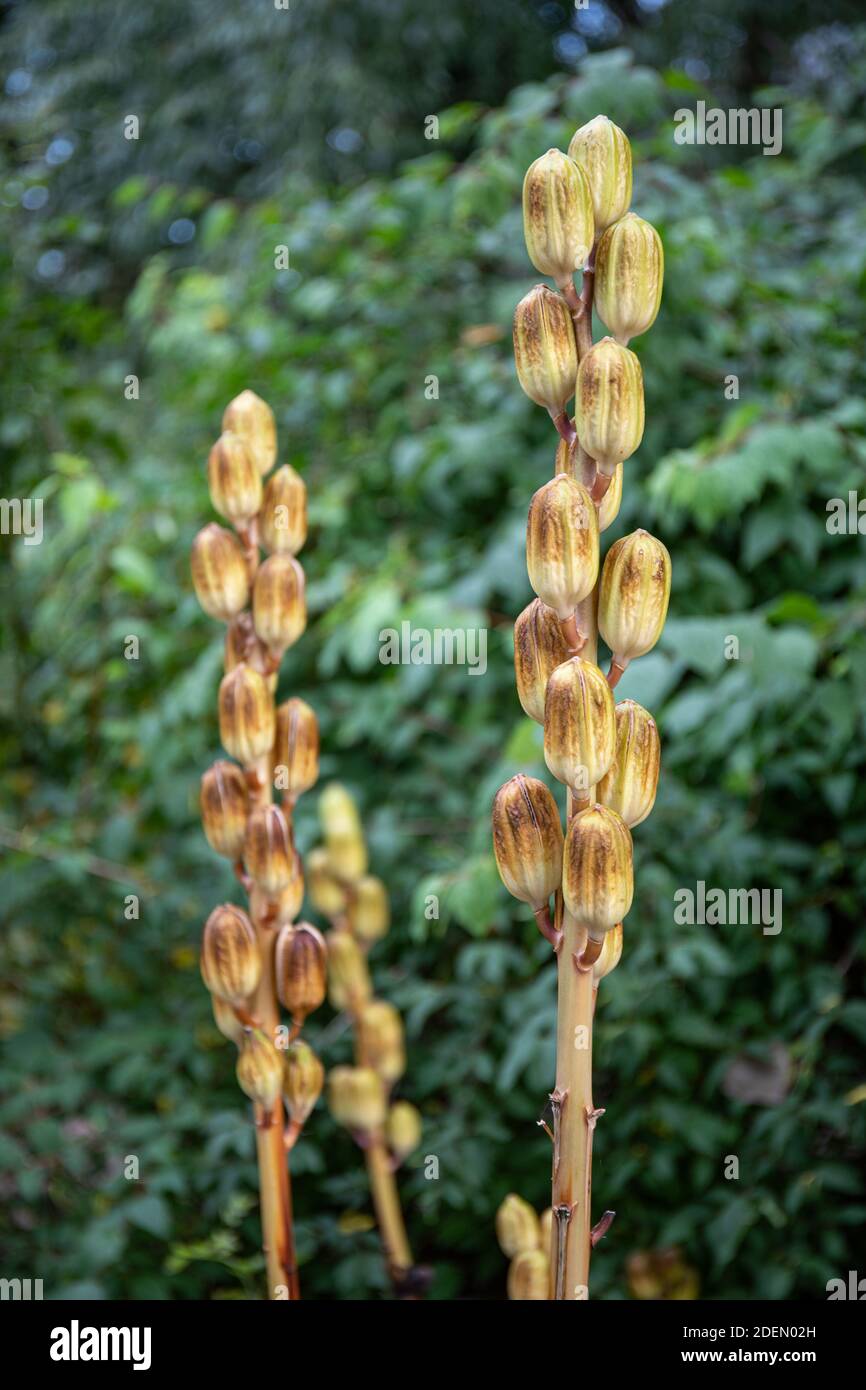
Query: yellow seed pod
[[225, 806], [539, 647], [246, 714], [609, 404], [633, 597], [296, 748], [517, 1226], [403, 1129], [260, 1069], [527, 840], [279, 909], [356, 1098], [231, 963], [579, 725], [546, 1225], [283, 517], [557, 215], [349, 984], [327, 894], [603, 152], [301, 969], [344, 837], [630, 786], [608, 507], [382, 1040], [279, 603], [369, 910], [303, 1079], [545, 351], [227, 1020], [219, 572], [562, 544], [269, 850], [629, 272], [234, 481], [252, 420], [597, 873], [529, 1276], [611, 953]]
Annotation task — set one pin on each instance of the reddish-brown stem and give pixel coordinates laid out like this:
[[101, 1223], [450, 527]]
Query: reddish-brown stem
[[600, 484], [617, 668], [546, 927], [564, 426], [574, 639]]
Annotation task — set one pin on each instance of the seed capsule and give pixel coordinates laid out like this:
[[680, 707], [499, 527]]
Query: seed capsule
[[562, 544], [231, 962], [296, 748], [301, 969], [260, 1069], [634, 593], [225, 805], [611, 953], [528, 1276], [557, 215], [579, 725], [545, 352], [603, 152], [517, 1226], [629, 271], [279, 909], [597, 875], [527, 840], [349, 984], [369, 910], [609, 404], [539, 647], [629, 788], [252, 420], [227, 1020], [219, 572], [246, 711], [356, 1098], [302, 1082], [344, 837], [327, 894], [403, 1129], [279, 603], [283, 517], [241, 643], [234, 480], [382, 1040], [269, 851]]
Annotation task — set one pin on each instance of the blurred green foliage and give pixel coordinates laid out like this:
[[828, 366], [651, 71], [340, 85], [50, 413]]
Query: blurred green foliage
[[418, 507]]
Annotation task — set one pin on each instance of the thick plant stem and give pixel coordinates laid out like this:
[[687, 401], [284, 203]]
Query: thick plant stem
[[389, 1214]]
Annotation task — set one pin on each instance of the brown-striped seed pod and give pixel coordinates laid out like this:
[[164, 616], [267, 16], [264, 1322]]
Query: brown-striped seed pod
[[280, 909], [527, 840], [225, 806], [279, 602], [269, 850], [528, 1277], [283, 517], [234, 481], [296, 748], [609, 404], [629, 271], [231, 963], [633, 595], [240, 641], [349, 984], [356, 1098], [327, 894], [557, 215], [539, 647], [369, 910], [301, 969], [252, 420], [227, 1020], [403, 1129], [611, 954], [545, 352], [303, 1080], [517, 1226], [382, 1040], [579, 725], [260, 1069], [603, 152], [344, 837], [219, 572], [629, 788], [597, 873], [562, 544], [246, 713]]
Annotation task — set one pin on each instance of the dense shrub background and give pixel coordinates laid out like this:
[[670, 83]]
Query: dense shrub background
[[401, 250]]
